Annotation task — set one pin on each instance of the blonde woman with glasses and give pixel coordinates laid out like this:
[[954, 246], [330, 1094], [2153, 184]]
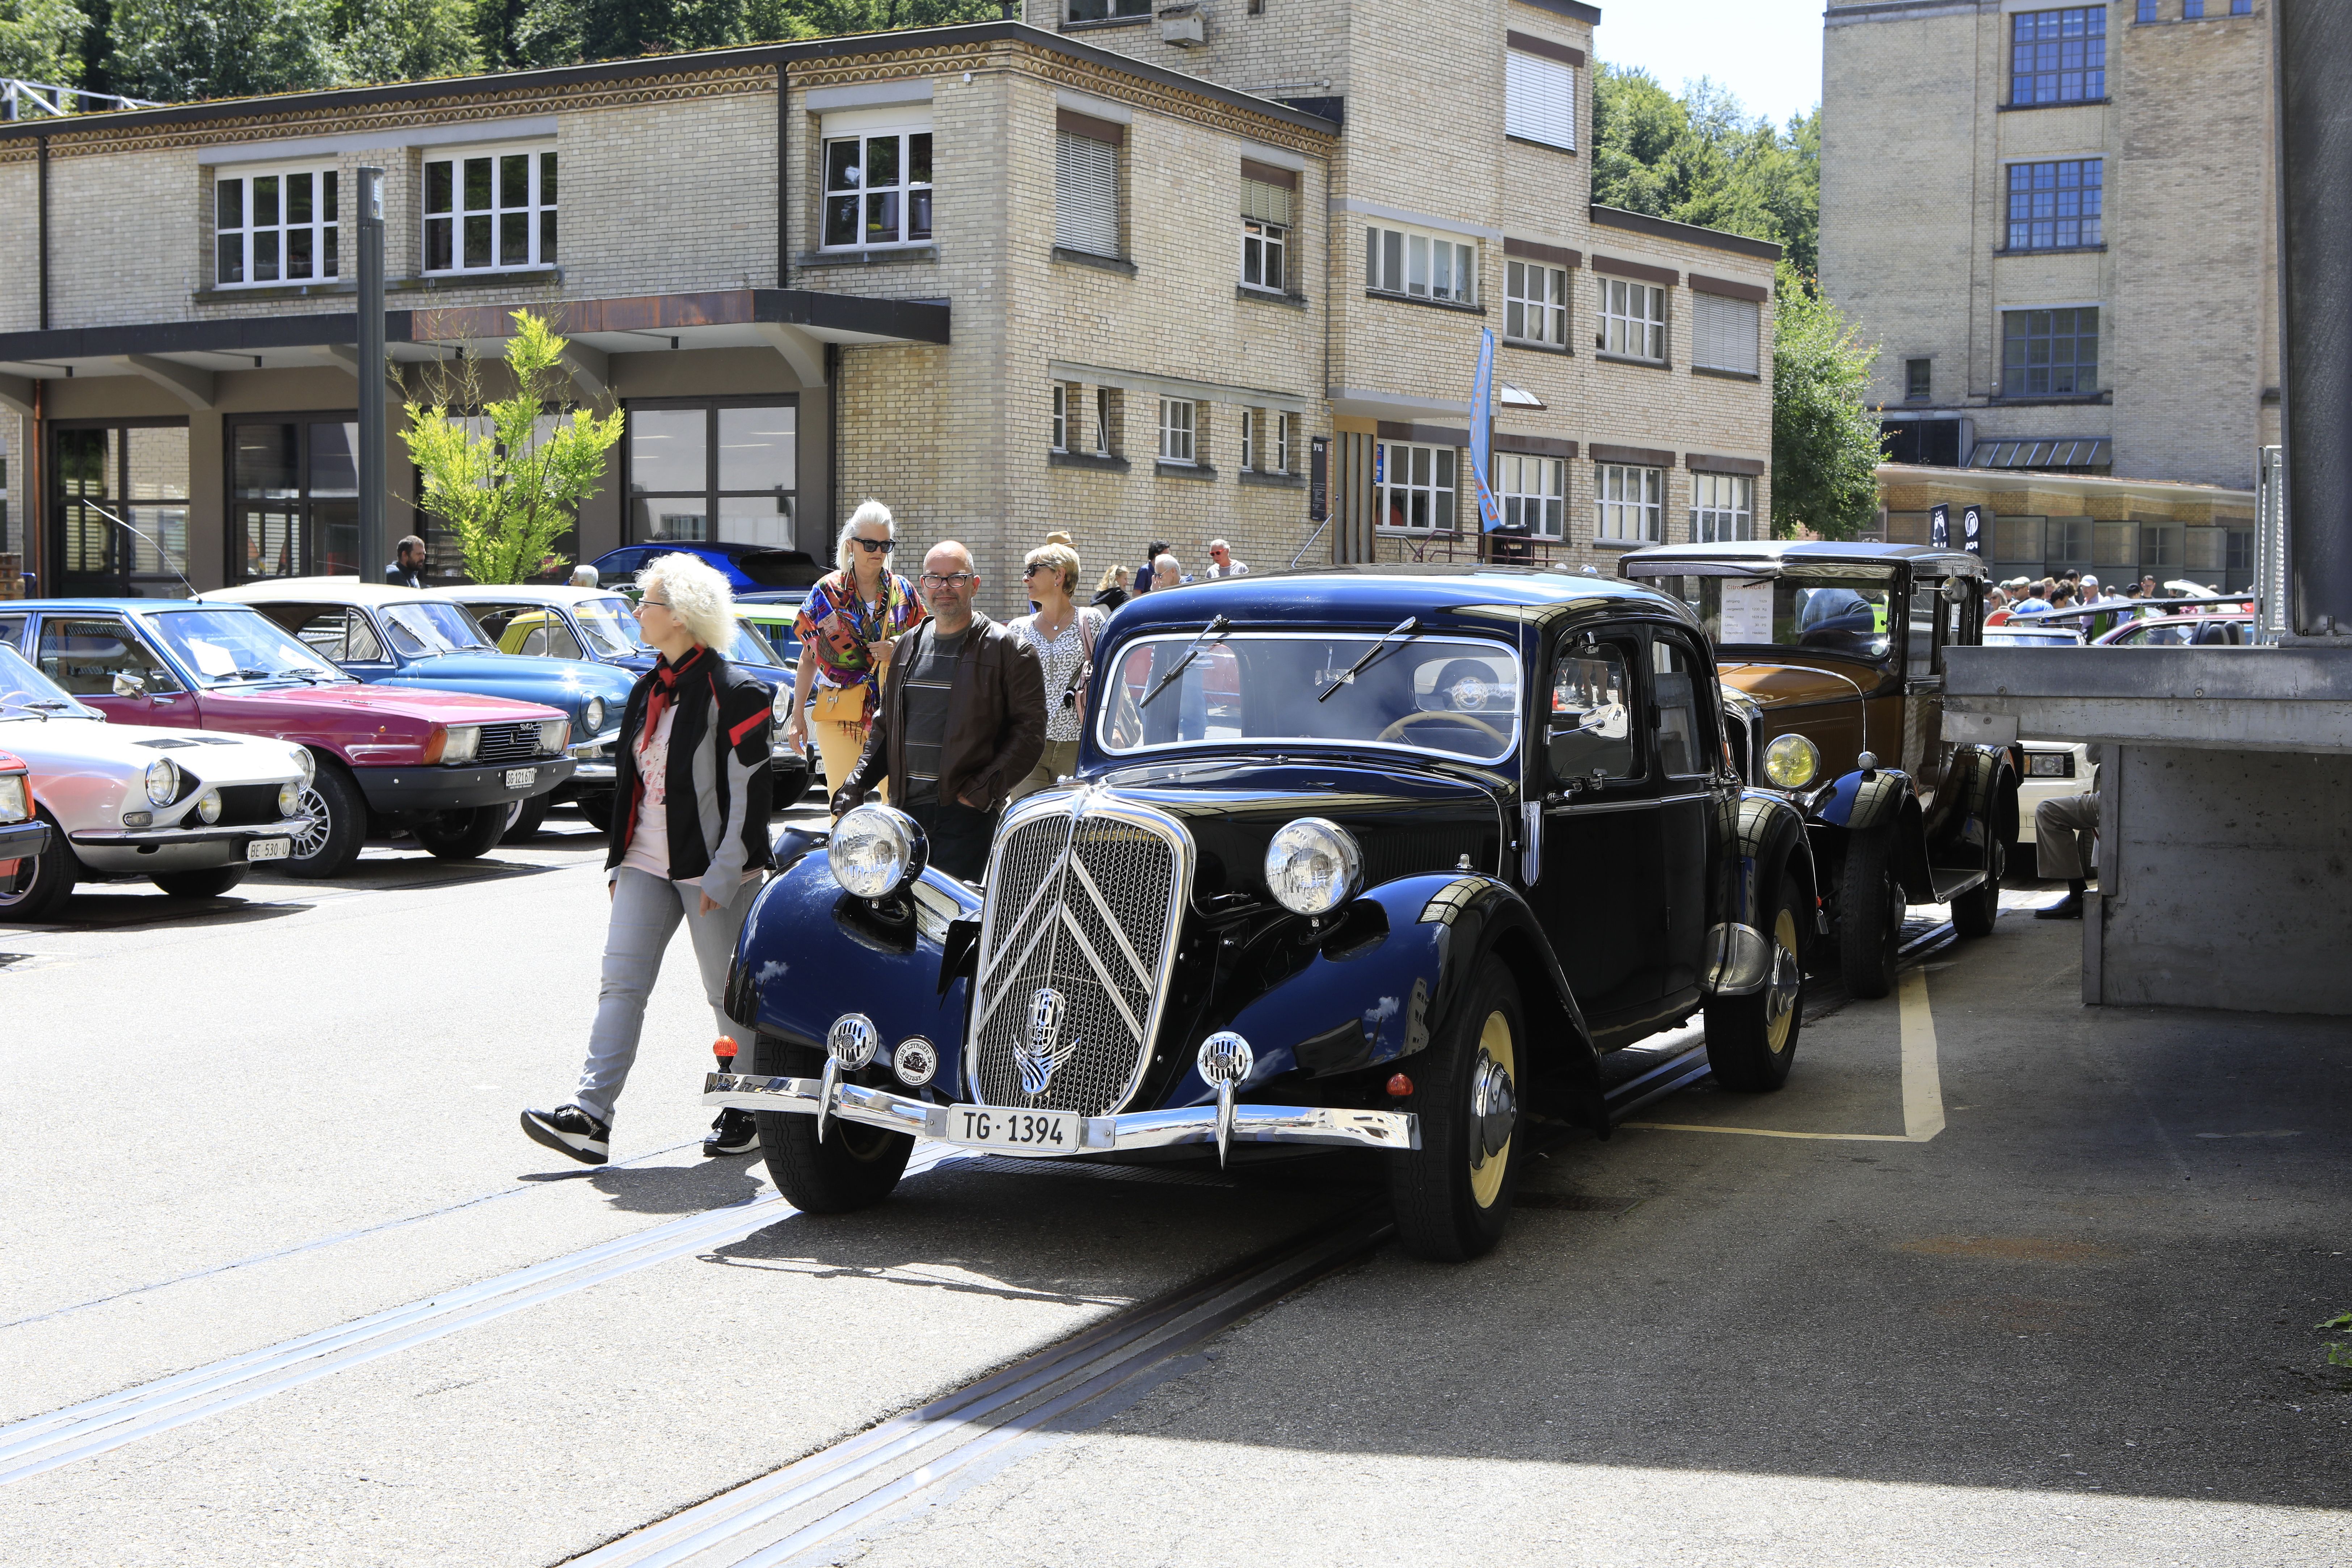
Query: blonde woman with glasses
[[1063, 636], [847, 627]]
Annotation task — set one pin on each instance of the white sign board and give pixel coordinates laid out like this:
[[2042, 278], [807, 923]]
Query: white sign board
[[1747, 612]]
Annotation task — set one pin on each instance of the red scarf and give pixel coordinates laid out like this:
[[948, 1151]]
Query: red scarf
[[666, 679]]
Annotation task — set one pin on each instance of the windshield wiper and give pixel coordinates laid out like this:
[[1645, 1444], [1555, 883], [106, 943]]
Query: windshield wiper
[[1411, 622], [1214, 628]]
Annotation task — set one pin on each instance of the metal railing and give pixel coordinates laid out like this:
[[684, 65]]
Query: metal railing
[[2271, 609], [23, 100]]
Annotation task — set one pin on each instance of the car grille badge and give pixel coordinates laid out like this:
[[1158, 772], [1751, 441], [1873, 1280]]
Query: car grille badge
[[1040, 1053]]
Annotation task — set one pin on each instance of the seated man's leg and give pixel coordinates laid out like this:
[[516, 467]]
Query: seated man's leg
[[2059, 825]]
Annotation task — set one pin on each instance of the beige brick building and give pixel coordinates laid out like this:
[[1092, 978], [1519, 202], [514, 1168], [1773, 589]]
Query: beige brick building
[[1080, 271], [2057, 222]]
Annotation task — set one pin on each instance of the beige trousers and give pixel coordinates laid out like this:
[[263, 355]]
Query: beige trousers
[[1059, 758], [841, 745], [2059, 825]]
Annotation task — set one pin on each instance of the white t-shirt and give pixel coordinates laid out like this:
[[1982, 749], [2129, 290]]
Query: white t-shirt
[[649, 845]]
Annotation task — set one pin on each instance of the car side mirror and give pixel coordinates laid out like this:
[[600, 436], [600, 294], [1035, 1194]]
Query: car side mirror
[[1955, 590], [129, 686]]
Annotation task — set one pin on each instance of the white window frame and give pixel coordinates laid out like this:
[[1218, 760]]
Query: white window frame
[[873, 125], [1619, 519], [1403, 263], [1723, 508], [325, 232], [538, 214], [1538, 100], [1435, 483], [1535, 303], [1178, 423], [1633, 320], [1106, 418], [1281, 443], [1739, 323], [1533, 490], [1249, 437], [1264, 252], [1061, 426]]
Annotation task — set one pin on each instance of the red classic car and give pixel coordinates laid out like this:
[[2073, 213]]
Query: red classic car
[[447, 766], [22, 833]]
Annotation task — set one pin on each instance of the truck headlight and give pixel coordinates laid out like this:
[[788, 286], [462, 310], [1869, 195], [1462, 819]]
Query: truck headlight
[[162, 782], [289, 798], [876, 850], [16, 798], [208, 806], [463, 742], [554, 734], [1792, 762], [1313, 866], [592, 716]]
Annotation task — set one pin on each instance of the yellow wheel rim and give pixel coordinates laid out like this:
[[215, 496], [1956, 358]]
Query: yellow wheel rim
[[1486, 1178], [1779, 1025]]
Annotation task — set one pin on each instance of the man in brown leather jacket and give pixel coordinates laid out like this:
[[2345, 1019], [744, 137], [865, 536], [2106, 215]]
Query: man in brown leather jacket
[[962, 720]]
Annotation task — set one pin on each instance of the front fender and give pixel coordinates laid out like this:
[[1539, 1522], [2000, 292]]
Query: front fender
[[1985, 787], [810, 951], [1862, 801], [1769, 841]]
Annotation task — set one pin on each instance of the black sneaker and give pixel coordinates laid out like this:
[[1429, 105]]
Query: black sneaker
[[568, 1130], [733, 1133]]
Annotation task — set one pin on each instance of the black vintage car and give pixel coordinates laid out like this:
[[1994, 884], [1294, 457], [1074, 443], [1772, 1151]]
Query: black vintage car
[[1378, 858]]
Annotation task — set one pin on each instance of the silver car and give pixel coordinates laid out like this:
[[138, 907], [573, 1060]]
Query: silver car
[[189, 810]]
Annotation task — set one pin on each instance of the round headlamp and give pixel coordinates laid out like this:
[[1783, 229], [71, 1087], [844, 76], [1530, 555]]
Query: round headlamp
[[876, 851], [1792, 762], [306, 763], [162, 782], [289, 799], [208, 806], [591, 717], [1313, 866], [781, 707]]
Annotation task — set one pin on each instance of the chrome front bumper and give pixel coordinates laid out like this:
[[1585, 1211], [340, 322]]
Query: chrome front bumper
[[1100, 1135], [199, 833]]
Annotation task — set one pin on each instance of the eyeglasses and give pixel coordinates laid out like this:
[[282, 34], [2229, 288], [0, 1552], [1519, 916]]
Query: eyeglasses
[[655, 603], [873, 546], [952, 580], [1027, 572]]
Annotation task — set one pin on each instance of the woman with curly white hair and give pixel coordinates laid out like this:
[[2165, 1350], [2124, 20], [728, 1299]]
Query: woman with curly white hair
[[687, 840]]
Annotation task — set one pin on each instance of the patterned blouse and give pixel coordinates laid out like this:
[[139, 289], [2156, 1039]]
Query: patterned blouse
[[1062, 657], [835, 623]]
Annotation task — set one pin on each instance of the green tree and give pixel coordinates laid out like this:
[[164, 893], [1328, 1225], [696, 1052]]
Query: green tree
[[176, 50], [406, 40], [1825, 438], [1699, 158], [510, 482], [40, 40]]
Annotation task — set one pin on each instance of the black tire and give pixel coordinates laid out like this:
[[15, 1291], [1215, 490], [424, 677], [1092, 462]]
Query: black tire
[[1870, 915], [461, 834], [523, 818], [209, 884], [1974, 912], [1751, 1041], [855, 1167], [1448, 1209], [43, 882], [339, 827], [598, 809]]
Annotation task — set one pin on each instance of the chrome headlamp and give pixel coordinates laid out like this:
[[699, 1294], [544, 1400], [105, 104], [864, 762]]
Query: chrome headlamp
[[1312, 866], [305, 764], [289, 799], [591, 717], [554, 734], [781, 707], [1792, 762], [877, 850], [162, 782], [16, 798], [463, 740], [208, 806]]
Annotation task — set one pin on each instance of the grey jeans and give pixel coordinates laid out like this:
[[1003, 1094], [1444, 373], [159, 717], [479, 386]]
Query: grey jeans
[[2059, 825], [645, 912]]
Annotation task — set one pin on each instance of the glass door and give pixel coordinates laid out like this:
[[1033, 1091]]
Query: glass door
[[119, 508], [294, 498]]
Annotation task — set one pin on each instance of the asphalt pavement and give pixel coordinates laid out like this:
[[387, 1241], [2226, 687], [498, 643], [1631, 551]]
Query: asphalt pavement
[[1997, 1278]]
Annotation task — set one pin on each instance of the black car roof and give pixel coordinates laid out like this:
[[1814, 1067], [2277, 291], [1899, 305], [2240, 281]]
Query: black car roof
[[1465, 597]]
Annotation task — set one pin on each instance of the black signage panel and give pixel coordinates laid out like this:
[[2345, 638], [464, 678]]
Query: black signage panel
[[1318, 478]]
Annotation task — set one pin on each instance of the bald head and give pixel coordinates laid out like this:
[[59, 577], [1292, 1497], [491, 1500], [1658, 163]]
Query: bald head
[[949, 584]]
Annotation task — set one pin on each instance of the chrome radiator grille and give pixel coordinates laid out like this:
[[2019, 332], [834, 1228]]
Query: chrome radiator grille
[[507, 744], [1083, 901]]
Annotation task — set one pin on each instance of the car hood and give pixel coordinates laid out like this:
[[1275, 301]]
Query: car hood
[[56, 748], [376, 709], [1406, 820], [564, 683], [1790, 685]]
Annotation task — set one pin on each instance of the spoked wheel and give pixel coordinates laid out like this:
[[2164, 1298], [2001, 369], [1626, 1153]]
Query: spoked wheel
[[1751, 1041], [467, 835], [41, 883], [1974, 912], [1869, 916], [852, 1167], [338, 815], [1453, 1195]]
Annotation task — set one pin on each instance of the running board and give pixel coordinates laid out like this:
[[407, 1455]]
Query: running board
[[1951, 884]]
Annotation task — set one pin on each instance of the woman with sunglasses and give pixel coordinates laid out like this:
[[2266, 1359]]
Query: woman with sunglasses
[[847, 627], [1063, 636]]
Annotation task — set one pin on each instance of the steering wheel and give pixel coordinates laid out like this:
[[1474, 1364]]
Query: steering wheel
[[1443, 716]]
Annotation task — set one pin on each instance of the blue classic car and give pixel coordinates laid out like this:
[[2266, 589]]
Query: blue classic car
[[404, 636], [1373, 858], [746, 567]]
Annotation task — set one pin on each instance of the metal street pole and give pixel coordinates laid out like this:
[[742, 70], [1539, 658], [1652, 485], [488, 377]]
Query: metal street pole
[[2313, 46], [373, 555]]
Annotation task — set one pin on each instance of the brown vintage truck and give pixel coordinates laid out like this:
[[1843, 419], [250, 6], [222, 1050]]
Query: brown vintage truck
[[1831, 661]]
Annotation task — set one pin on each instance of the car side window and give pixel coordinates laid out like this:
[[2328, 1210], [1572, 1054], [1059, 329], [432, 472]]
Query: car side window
[[1681, 737], [1924, 647], [12, 631], [85, 654], [361, 638], [1589, 731], [494, 619], [553, 640], [330, 631]]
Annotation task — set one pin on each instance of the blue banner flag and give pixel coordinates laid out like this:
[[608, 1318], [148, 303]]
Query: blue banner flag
[[1481, 419]]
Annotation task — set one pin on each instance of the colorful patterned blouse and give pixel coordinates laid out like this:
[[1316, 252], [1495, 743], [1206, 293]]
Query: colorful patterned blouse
[[834, 625]]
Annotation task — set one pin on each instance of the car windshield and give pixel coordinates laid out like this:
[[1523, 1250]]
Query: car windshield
[[609, 627], [1455, 697], [26, 693], [750, 647], [418, 629], [226, 647], [1819, 614]]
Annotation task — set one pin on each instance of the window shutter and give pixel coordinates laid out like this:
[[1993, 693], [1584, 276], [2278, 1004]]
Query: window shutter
[[1085, 195], [1267, 203], [1724, 333], [1539, 99]]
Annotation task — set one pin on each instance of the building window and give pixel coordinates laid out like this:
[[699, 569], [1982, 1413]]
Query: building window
[[1420, 266], [2192, 10], [1105, 10], [1631, 503], [136, 471], [1282, 443], [1250, 417], [1916, 380], [294, 498], [2052, 206], [1085, 194], [2241, 8], [1061, 419], [1534, 494], [1538, 100], [1105, 420], [1535, 303], [725, 470], [1633, 320], [1723, 508], [1266, 193], [1726, 334], [2050, 353], [2059, 56], [489, 211], [2146, 10], [1415, 485], [279, 227], [1176, 420], [878, 189]]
